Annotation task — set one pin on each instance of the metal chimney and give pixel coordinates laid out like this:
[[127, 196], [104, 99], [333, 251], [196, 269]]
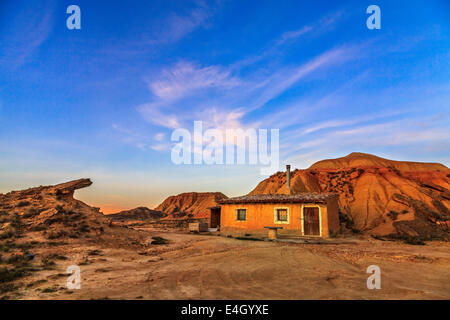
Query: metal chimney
[[288, 177]]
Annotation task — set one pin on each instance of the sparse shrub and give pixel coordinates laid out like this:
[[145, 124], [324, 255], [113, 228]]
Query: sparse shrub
[[7, 287], [393, 215], [16, 222], [56, 235], [32, 212], [49, 290], [57, 219], [408, 239], [57, 243], [47, 263], [39, 227], [95, 252], [83, 228], [414, 241], [159, 240], [56, 256], [74, 235], [7, 275], [17, 259], [36, 283], [7, 234], [23, 204], [84, 262]]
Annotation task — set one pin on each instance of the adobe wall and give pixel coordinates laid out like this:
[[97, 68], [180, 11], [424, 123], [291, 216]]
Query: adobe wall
[[263, 215]]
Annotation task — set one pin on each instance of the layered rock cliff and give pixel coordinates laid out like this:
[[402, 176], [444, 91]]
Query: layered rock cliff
[[190, 204], [377, 195]]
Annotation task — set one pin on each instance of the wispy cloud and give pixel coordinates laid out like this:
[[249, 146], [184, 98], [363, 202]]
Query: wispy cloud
[[288, 35], [185, 78], [153, 114], [176, 25], [29, 28], [335, 123], [324, 24], [284, 79], [222, 97], [215, 95], [178, 82]]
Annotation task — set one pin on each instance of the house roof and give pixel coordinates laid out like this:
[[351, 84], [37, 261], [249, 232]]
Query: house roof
[[281, 198]]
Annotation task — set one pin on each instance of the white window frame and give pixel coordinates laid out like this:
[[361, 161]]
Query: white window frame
[[236, 215], [275, 216]]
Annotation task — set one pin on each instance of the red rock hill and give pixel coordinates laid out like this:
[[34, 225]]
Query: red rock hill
[[190, 204], [377, 195]]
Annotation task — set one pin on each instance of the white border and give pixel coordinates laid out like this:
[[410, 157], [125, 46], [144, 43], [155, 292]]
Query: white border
[[275, 216], [236, 214]]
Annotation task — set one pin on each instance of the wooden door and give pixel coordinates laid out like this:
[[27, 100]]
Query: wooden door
[[311, 221], [215, 218]]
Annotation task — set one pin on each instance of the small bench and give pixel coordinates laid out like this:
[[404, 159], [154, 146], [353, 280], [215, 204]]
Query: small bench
[[273, 231]]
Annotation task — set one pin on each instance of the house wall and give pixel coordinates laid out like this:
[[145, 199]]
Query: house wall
[[263, 215], [333, 216]]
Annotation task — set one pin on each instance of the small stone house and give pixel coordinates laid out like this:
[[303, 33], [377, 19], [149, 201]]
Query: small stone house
[[302, 214], [305, 214]]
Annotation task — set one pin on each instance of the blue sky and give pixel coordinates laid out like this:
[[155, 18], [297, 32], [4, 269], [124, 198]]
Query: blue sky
[[101, 102]]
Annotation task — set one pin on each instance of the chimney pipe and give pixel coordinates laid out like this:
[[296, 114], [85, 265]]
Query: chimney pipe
[[288, 177]]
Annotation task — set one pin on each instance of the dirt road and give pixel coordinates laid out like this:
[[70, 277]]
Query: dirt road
[[213, 267]]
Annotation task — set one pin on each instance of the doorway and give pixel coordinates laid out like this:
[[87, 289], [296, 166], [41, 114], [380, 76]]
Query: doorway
[[311, 221], [215, 217]]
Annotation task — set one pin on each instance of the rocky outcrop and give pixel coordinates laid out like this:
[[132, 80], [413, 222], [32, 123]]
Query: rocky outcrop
[[138, 214], [52, 212], [377, 195]]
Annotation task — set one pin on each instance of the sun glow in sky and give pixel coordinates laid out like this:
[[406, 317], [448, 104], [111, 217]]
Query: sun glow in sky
[[102, 102]]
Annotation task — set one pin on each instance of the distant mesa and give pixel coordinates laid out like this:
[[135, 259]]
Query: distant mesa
[[359, 159], [190, 204], [137, 214]]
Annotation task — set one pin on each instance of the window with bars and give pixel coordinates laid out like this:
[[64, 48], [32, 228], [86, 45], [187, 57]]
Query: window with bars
[[241, 214]]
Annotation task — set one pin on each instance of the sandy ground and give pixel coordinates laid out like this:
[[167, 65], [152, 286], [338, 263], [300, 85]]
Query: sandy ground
[[214, 267]]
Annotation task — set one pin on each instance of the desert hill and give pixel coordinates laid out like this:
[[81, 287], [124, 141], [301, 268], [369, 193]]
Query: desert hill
[[45, 229], [52, 213], [190, 204], [377, 195], [358, 159], [137, 214]]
